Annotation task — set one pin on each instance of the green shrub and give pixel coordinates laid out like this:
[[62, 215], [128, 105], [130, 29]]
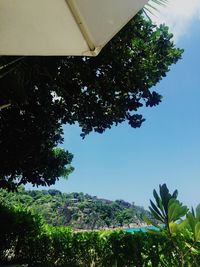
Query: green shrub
[[18, 230], [24, 238]]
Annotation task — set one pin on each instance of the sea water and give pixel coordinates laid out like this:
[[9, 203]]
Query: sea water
[[142, 229]]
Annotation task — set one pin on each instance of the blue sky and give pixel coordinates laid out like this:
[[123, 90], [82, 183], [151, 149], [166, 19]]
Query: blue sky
[[126, 163]]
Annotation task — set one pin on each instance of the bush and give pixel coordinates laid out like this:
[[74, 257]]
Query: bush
[[24, 238], [18, 230]]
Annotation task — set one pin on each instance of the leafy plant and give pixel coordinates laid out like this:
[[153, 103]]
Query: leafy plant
[[180, 225], [193, 219], [167, 209]]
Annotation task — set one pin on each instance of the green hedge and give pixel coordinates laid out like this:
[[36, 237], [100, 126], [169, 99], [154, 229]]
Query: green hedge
[[26, 239]]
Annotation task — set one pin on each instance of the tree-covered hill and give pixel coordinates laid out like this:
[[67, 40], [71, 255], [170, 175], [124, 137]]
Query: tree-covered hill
[[78, 210]]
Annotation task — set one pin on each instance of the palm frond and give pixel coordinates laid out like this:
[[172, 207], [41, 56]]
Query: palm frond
[[153, 5]]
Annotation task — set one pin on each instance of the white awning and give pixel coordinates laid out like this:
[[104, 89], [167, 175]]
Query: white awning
[[62, 27]]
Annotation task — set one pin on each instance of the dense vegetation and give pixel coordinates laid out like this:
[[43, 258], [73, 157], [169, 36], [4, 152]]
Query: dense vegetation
[[40, 94], [24, 238], [76, 209]]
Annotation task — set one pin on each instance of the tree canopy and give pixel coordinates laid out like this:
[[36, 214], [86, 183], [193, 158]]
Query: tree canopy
[[40, 94], [77, 210]]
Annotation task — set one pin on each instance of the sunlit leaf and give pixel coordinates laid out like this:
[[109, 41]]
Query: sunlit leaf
[[198, 212], [176, 210], [157, 210], [197, 231]]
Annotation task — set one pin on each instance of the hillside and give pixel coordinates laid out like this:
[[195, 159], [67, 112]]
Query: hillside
[[78, 210]]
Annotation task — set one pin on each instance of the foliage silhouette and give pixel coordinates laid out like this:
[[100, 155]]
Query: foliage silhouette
[[40, 94]]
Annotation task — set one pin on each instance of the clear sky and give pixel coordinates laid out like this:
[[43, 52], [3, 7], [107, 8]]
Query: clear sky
[[126, 163]]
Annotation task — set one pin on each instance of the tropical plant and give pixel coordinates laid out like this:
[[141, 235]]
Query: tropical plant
[[153, 5], [180, 225], [167, 209]]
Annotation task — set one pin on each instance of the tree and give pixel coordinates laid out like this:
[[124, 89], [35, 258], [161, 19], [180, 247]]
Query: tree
[[46, 92]]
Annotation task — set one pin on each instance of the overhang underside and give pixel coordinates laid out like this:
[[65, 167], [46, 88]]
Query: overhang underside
[[62, 27]]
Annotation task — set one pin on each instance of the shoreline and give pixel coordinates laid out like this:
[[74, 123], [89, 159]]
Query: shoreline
[[131, 226]]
